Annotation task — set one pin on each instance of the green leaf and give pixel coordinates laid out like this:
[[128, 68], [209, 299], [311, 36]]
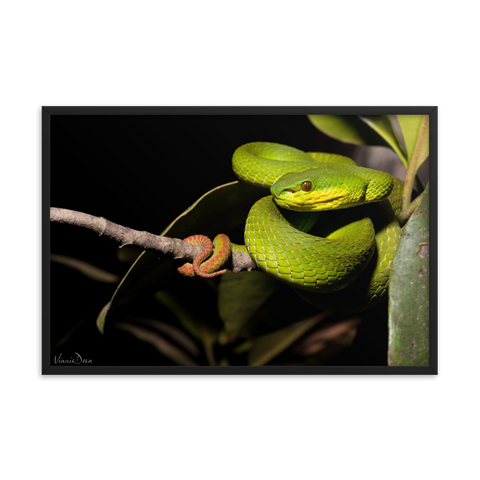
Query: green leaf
[[87, 269], [361, 130], [382, 124], [416, 135], [241, 295], [268, 346], [218, 211], [409, 292], [101, 318], [347, 128]]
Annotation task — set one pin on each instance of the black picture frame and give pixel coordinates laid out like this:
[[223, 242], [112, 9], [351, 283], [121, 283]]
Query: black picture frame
[[84, 183]]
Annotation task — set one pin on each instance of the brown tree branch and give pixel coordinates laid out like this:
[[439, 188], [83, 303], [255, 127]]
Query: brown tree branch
[[124, 236]]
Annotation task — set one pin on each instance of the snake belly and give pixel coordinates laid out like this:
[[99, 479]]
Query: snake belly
[[347, 267]]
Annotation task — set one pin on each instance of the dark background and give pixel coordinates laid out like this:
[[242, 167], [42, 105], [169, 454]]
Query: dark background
[[142, 172]]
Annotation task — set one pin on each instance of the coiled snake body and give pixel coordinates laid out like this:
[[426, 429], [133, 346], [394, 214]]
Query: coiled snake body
[[347, 267]]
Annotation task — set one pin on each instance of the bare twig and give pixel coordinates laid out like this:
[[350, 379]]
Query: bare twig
[[124, 236]]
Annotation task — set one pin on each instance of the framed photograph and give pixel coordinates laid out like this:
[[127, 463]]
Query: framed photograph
[[321, 223]]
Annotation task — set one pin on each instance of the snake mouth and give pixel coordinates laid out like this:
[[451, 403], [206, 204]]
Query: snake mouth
[[303, 204]]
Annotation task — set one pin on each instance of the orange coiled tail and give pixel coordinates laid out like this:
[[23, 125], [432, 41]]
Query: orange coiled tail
[[209, 268]]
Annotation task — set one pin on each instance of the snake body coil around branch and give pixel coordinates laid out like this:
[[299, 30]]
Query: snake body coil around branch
[[345, 266]]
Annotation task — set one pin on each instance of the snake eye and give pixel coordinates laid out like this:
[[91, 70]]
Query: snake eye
[[307, 186]]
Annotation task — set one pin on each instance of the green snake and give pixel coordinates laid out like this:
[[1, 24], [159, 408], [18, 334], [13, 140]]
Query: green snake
[[345, 266]]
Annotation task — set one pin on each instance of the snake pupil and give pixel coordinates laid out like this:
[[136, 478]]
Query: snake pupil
[[306, 186]]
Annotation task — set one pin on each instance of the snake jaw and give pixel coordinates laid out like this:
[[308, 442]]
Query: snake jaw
[[284, 198], [314, 201]]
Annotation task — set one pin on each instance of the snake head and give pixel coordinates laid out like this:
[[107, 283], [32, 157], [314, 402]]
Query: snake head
[[329, 187], [302, 191]]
